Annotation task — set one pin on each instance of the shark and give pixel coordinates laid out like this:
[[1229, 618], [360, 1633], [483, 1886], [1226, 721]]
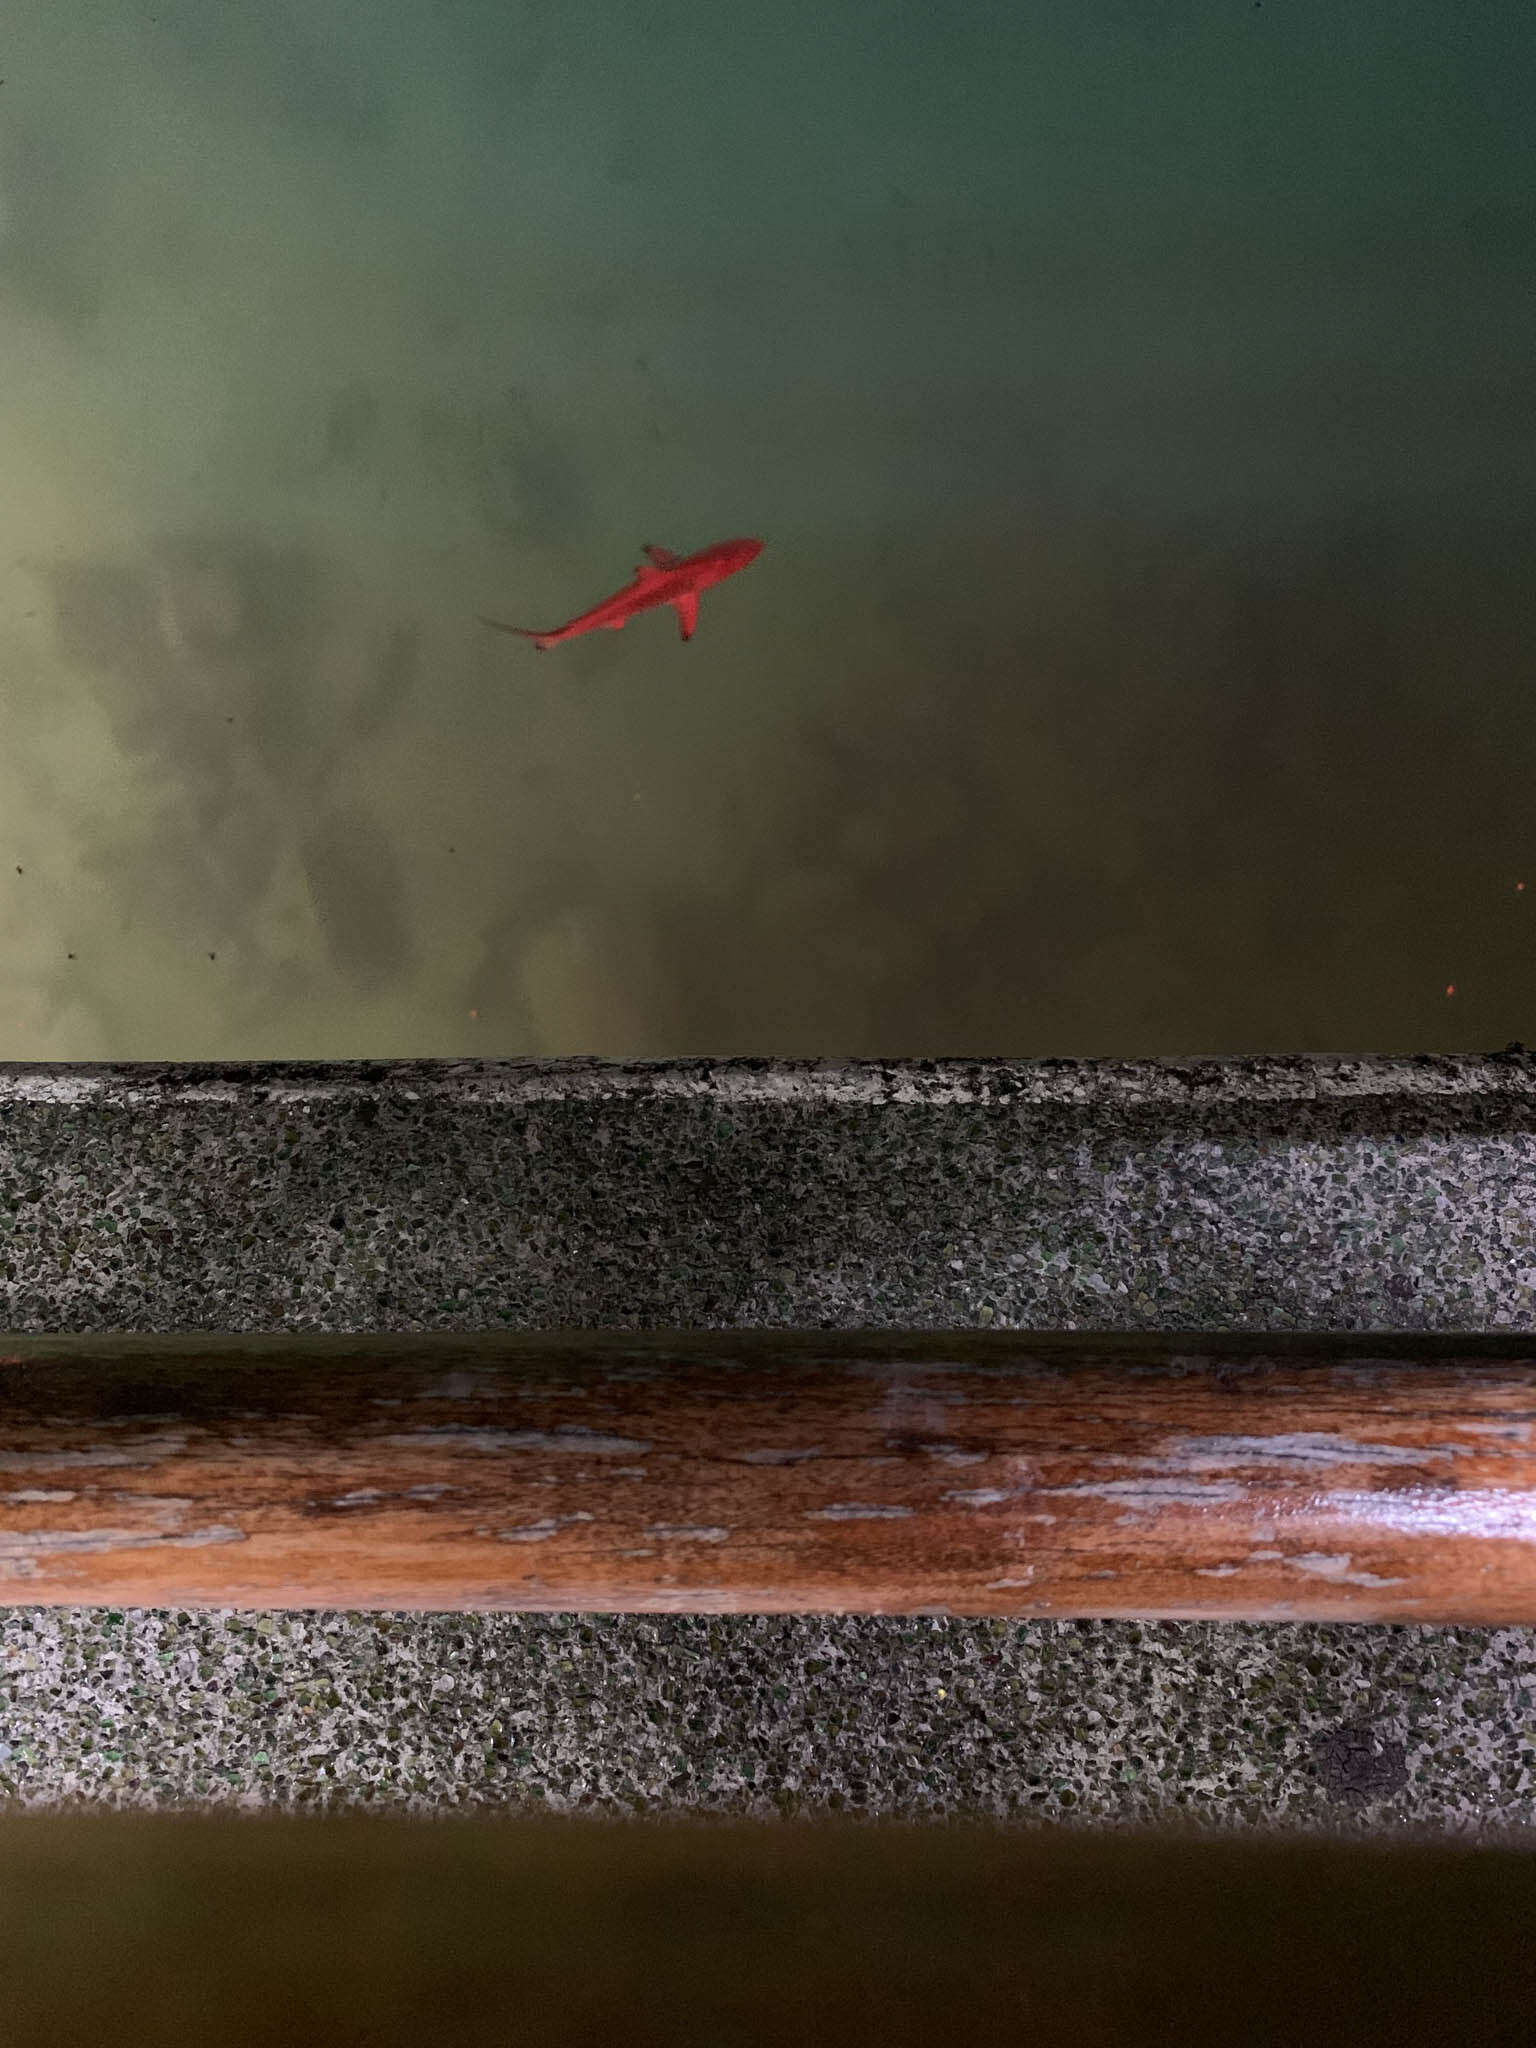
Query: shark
[[662, 578]]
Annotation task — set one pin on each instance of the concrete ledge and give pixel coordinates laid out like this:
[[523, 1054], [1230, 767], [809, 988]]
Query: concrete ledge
[[1272, 1194]]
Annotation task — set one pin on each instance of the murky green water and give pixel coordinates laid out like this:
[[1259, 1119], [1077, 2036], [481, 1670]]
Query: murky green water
[[1136, 402]]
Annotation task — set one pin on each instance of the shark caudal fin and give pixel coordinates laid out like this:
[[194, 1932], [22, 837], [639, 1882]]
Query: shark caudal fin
[[540, 640]]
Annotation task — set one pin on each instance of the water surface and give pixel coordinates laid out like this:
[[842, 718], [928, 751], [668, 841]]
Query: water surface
[[1136, 400]]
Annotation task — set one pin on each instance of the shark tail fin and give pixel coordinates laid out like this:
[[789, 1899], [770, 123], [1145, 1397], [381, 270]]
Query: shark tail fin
[[540, 640]]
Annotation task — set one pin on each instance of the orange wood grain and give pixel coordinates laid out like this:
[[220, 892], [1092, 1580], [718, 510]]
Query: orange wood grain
[[1358, 1477]]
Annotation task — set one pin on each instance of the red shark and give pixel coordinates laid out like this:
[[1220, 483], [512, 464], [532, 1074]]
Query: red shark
[[664, 578]]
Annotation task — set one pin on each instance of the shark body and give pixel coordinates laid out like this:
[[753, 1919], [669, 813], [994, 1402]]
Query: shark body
[[663, 578]]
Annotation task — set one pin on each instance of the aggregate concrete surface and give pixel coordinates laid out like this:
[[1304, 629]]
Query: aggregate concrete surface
[[1266, 1193]]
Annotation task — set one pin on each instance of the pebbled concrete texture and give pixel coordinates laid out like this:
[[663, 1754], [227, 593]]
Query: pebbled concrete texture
[[1204, 1194]]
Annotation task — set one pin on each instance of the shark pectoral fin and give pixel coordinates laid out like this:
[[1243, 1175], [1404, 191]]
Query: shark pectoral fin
[[662, 557], [687, 609]]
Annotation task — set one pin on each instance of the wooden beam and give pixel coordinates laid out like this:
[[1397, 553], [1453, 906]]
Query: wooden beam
[[1361, 1477]]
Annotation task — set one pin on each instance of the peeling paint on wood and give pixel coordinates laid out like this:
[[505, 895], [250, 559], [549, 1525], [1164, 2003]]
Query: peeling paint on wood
[[1363, 1477]]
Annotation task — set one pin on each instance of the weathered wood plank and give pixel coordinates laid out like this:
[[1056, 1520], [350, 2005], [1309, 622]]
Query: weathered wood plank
[[1364, 1477]]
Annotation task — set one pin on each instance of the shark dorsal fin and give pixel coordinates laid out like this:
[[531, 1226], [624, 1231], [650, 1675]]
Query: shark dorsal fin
[[662, 557]]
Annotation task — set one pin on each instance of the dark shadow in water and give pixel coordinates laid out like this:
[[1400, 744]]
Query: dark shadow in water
[[350, 421], [516, 469], [45, 269], [542, 891], [393, 678], [511, 50], [211, 656], [252, 619], [266, 64], [354, 878]]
